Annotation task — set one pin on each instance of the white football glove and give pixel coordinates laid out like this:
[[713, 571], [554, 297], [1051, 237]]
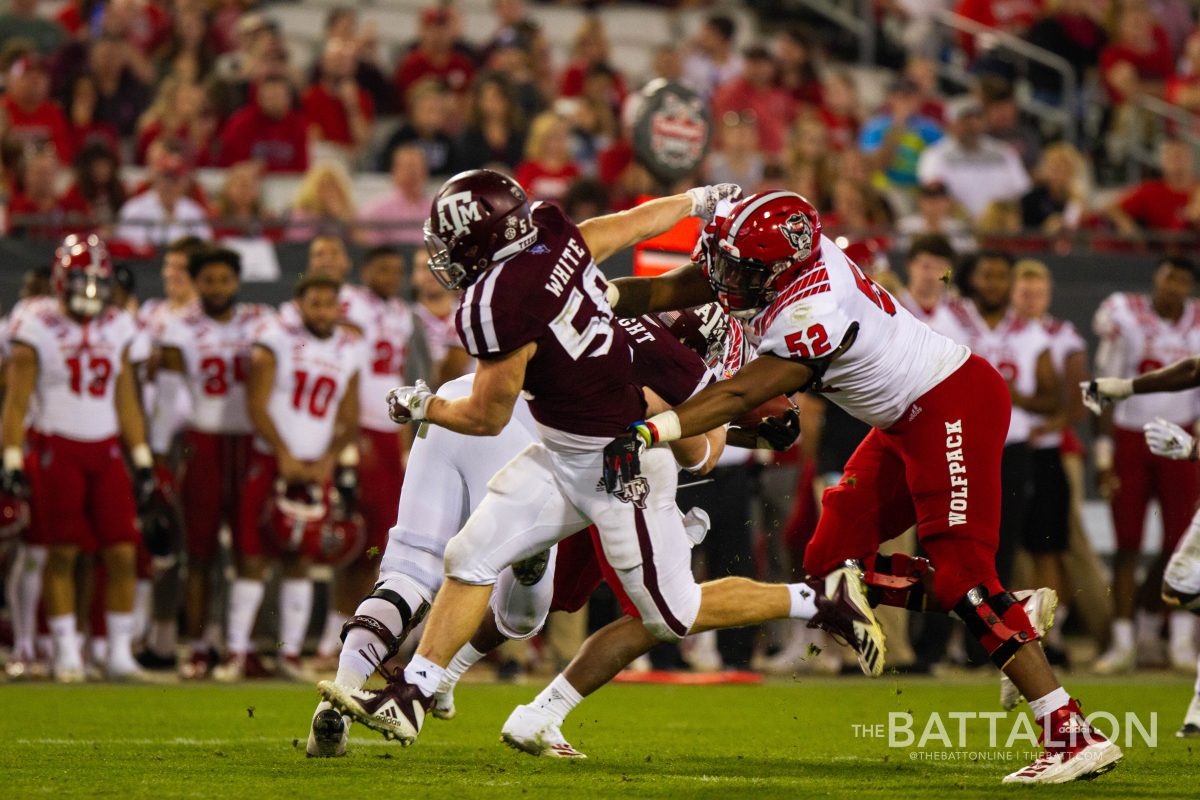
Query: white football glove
[[1104, 391], [408, 403], [1168, 440], [706, 198]]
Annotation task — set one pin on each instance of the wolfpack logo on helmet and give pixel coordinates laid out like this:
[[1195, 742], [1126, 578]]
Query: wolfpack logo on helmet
[[462, 211], [798, 231]]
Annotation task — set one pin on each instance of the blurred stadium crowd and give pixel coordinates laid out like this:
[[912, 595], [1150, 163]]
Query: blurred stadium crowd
[[151, 120]]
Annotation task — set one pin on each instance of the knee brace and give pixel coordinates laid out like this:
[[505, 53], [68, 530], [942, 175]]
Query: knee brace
[[409, 618], [998, 621], [899, 580]]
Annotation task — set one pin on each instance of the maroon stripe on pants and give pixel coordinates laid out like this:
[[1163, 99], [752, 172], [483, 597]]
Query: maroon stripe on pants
[[650, 575]]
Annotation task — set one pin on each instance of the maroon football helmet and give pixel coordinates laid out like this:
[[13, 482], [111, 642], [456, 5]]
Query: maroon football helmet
[[767, 240], [701, 329], [477, 219], [297, 518], [82, 275]]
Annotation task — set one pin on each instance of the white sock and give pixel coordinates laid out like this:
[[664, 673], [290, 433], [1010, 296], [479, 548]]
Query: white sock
[[66, 642], [24, 592], [143, 602], [245, 596], [424, 674], [463, 660], [1044, 706], [164, 637], [1122, 634], [98, 648], [295, 611], [558, 699], [1183, 630], [1149, 627], [121, 626], [331, 636], [804, 601]]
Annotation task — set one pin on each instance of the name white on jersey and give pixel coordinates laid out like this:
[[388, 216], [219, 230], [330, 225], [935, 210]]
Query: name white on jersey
[[387, 328], [216, 359], [892, 358], [78, 365], [311, 377], [1136, 340]]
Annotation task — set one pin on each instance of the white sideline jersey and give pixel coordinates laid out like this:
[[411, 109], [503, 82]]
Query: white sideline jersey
[[78, 365], [216, 359], [387, 329], [941, 317], [1135, 340], [1013, 347], [446, 478], [440, 333], [884, 357], [311, 377], [1065, 342]]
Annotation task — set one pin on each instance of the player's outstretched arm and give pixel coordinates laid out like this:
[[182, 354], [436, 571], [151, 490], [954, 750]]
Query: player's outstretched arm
[[1183, 374], [680, 288], [494, 392]]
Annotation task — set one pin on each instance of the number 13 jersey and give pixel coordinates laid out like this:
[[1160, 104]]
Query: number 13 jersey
[[884, 358]]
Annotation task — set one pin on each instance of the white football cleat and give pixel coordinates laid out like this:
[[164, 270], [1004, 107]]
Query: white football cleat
[[327, 733], [69, 674], [1074, 750], [443, 705], [1191, 721], [535, 732], [1039, 606], [1116, 661], [231, 670]]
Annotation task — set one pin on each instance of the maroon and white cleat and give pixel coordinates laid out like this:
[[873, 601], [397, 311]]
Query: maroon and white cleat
[[844, 612], [1074, 750], [397, 711], [197, 667]]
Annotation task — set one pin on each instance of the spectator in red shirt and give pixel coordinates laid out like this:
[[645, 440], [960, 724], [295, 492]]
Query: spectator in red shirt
[[268, 130], [435, 57], [547, 170], [590, 49], [180, 111], [840, 110], [1011, 16], [33, 118], [338, 111], [81, 110], [97, 191], [1138, 60], [1165, 204], [33, 210], [755, 91]]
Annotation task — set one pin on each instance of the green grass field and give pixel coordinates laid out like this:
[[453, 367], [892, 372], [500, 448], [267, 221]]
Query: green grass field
[[784, 739]]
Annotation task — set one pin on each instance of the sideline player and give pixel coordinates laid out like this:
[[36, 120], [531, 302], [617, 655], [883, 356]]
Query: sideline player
[[939, 417], [535, 315], [210, 348], [73, 353], [1141, 333], [302, 399], [1181, 580]]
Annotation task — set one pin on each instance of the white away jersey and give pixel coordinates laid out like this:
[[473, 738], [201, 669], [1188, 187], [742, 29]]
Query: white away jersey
[[884, 358], [1065, 341], [440, 333], [311, 377], [1013, 348], [1135, 340], [78, 365], [387, 329], [941, 317], [216, 358]]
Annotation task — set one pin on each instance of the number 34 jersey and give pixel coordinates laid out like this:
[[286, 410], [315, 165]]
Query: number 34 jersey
[[78, 365], [311, 377], [216, 358], [884, 358]]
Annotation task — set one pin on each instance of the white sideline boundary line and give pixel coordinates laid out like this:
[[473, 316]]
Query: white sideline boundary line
[[180, 741]]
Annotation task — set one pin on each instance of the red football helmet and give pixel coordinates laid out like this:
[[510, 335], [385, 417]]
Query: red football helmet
[[766, 241], [14, 516], [478, 218], [343, 539], [701, 329], [82, 275], [297, 518]]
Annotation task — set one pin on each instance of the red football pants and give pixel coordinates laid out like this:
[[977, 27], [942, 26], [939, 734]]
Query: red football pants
[[83, 495], [380, 476], [937, 468], [214, 468], [257, 488], [1142, 476]]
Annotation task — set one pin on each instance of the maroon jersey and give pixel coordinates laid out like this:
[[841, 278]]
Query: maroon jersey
[[662, 362], [581, 381]]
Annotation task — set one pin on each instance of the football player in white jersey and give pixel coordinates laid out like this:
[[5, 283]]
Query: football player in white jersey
[[72, 352], [327, 257], [535, 315], [1140, 333], [302, 400], [435, 311], [939, 417], [928, 268], [210, 349], [1181, 579]]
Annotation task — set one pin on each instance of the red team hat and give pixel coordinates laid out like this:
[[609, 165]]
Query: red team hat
[[766, 241]]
